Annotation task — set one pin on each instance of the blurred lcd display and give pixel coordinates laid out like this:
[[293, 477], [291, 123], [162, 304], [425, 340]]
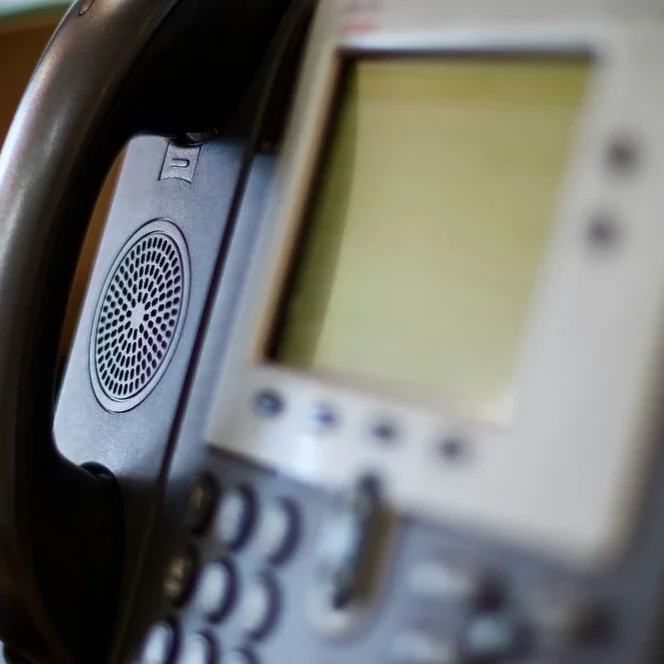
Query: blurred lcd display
[[420, 252]]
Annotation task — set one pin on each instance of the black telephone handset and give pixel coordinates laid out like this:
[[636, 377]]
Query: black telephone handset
[[114, 68]]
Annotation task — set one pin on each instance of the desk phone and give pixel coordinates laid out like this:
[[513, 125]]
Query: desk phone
[[370, 365]]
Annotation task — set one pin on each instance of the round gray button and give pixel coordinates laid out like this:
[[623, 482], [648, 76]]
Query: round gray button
[[197, 649], [159, 645], [420, 647], [278, 530], [259, 606], [235, 518], [179, 577], [216, 590]]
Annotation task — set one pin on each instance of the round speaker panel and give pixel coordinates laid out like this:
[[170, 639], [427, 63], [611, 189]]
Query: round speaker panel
[[139, 316]]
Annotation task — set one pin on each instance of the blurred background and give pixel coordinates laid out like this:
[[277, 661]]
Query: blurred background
[[25, 28]]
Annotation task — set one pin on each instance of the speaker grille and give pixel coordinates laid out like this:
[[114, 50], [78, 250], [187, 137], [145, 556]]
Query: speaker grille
[[139, 316]]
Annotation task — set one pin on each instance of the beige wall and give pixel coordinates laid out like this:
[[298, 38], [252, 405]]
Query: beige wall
[[20, 49]]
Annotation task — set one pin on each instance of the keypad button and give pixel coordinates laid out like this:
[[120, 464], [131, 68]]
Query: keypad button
[[439, 581], [236, 517], [240, 657], [179, 578], [279, 530], [420, 647], [260, 604], [216, 590], [159, 645], [201, 502], [198, 649]]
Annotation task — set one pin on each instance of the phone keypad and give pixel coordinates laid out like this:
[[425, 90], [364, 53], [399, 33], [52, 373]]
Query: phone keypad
[[251, 587]]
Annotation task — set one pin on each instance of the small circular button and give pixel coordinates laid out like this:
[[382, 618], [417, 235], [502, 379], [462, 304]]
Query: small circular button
[[236, 517], [280, 524], [216, 590], [325, 417], [385, 432], [420, 647], [201, 502], [259, 607], [198, 649], [268, 403], [240, 657], [179, 578], [159, 645]]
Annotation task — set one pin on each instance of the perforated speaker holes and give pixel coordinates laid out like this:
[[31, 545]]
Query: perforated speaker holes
[[139, 316]]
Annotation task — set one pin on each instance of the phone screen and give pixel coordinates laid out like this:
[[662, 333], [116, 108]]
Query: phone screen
[[426, 232]]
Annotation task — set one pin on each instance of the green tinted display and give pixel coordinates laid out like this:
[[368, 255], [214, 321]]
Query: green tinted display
[[425, 237]]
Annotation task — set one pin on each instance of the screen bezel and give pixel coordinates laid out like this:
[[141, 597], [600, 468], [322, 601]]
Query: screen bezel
[[567, 475]]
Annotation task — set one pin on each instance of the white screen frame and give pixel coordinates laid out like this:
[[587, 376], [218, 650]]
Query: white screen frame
[[567, 474]]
